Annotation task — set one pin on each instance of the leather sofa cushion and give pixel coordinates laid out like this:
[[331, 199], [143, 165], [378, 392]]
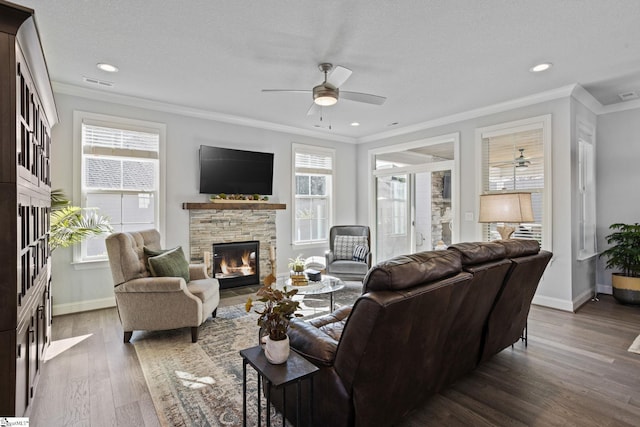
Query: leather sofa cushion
[[520, 247], [407, 271], [479, 252]]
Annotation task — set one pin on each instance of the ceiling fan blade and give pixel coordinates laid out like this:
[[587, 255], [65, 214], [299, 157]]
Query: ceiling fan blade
[[287, 90], [363, 97], [338, 76], [314, 109]]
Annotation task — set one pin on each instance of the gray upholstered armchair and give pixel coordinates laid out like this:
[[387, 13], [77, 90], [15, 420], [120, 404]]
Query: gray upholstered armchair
[[152, 303], [340, 258]]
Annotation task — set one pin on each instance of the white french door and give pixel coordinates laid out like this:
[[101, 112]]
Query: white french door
[[414, 197], [414, 210]]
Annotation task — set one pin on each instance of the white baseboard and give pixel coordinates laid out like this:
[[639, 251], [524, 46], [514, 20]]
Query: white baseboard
[[557, 303], [604, 289], [582, 298], [77, 307]]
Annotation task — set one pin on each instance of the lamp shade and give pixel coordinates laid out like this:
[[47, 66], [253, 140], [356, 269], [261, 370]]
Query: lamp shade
[[506, 207]]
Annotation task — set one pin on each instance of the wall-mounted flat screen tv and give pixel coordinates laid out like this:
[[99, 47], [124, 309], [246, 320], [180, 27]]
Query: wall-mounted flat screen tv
[[229, 171]]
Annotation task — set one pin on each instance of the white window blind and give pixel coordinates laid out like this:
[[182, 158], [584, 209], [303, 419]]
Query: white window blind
[[313, 173], [120, 176], [514, 160]]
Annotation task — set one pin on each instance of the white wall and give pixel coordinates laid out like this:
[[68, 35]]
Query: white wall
[[555, 290], [83, 287], [618, 174]]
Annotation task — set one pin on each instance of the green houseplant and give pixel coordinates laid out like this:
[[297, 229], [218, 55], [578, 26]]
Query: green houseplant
[[72, 224], [625, 256], [278, 307], [296, 264]]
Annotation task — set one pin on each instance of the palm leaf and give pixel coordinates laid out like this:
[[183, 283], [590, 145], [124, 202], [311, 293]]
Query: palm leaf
[[72, 224]]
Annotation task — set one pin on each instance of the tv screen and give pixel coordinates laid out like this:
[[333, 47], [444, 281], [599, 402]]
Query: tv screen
[[224, 170]]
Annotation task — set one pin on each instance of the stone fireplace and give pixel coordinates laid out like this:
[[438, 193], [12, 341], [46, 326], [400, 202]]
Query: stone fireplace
[[232, 222]]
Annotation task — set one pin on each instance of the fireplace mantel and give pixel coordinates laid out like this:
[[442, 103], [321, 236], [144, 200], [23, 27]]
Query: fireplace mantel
[[253, 206]]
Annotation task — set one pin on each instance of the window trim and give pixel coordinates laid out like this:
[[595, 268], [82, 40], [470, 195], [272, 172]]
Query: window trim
[[80, 117], [312, 149], [543, 122]]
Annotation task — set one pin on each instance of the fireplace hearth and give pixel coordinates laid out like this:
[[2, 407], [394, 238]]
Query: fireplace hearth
[[236, 263]]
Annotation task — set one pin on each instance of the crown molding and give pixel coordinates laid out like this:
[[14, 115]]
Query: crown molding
[[586, 99], [561, 92], [621, 106], [132, 101]]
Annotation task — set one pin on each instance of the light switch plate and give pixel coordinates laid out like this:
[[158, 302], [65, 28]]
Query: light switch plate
[[468, 216]]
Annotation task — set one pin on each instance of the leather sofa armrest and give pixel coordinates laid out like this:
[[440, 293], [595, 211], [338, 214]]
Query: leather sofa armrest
[[337, 316], [153, 284], [312, 343], [198, 272]]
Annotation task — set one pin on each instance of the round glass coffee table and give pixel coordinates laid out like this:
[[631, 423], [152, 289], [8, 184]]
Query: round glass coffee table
[[326, 285]]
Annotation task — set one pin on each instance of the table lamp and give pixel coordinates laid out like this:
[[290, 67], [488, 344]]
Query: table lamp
[[506, 208]]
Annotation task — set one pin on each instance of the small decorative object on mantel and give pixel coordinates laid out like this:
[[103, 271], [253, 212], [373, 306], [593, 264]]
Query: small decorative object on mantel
[[278, 308], [238, 198]]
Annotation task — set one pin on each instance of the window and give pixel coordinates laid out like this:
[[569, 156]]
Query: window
[[120, 170], [313, 183], [514, 159], [587, 192]]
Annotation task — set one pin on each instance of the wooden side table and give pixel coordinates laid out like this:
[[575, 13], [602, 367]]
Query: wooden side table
[[295, 369]]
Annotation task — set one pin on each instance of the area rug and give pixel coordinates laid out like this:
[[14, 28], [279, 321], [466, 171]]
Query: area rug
[[200, 384], [635, 346]]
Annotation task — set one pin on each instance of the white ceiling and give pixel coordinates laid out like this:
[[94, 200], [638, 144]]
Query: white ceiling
[[429, 58]]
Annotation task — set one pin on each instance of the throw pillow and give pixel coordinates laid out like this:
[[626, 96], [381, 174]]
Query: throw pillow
[[148, 253], [360, 253], [343, 246], [171, 263]]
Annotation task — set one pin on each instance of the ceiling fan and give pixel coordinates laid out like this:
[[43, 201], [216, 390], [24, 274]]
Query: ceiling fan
[[519, 162], [327, 93]]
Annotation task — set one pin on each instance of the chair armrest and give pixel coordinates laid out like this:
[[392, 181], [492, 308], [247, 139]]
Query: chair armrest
[[198, 272], [153, 284], [329, 257], [312, 343], [337, 316]]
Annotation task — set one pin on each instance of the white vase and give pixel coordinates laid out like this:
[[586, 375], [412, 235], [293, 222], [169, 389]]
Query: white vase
[[277, 352]]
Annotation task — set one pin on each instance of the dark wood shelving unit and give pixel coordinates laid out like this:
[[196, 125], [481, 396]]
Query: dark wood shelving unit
[[27, 113]]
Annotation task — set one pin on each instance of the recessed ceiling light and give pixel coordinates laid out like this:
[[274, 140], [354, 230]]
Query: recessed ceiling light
[[355, 124], [540, 67], [107, 67]]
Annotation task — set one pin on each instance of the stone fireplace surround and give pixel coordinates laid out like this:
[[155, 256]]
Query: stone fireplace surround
[[211, 223]]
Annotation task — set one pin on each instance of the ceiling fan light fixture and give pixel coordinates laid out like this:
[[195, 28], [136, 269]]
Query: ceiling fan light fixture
[[325, 96]]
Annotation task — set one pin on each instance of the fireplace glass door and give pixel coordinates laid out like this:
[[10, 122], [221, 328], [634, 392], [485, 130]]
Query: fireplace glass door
[[236, 263]]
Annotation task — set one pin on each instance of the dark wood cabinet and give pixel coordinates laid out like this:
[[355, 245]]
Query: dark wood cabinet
[[27, 113]]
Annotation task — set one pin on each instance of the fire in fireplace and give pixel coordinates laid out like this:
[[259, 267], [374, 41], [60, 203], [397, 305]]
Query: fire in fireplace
[[236, 263]]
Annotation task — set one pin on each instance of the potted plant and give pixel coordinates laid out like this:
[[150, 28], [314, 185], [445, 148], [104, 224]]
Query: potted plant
[[278, 307], [296, 264], [624, 255], [72, 224]]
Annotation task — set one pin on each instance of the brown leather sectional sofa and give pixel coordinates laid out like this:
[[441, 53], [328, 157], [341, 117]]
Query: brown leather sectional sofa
[[422, 321]]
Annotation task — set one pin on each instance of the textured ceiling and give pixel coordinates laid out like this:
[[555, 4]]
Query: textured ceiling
[[429, 58]]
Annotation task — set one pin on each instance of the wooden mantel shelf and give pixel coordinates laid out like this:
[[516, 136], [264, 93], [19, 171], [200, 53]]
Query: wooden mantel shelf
[[256, 206]]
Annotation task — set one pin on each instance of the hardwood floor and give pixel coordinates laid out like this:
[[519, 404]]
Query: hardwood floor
[[576, 371]]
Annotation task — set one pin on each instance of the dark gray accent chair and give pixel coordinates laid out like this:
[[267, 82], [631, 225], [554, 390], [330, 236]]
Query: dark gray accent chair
[[347, 269]]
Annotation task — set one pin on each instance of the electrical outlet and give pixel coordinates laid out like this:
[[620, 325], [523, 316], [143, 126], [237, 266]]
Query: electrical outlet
[[468, 216]]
